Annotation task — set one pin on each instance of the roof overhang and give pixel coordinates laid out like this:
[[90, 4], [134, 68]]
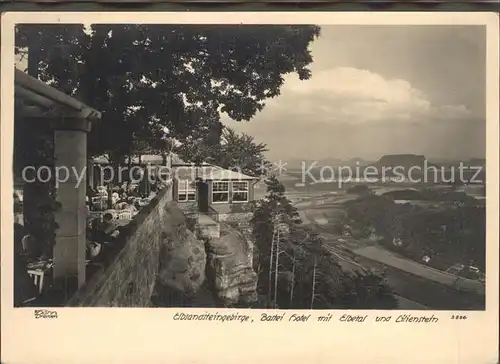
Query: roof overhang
[[34, 98]]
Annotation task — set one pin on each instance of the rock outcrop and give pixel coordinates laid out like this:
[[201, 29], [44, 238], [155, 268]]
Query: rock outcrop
[[229, 268], [182, 258]]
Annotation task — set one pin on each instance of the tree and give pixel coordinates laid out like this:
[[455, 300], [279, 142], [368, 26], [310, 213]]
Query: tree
[[243, 152], [296, 271], [228, 150], [146, 77], [318, 275], [202, 145], [362, 291], [449, 234], [271, 221]]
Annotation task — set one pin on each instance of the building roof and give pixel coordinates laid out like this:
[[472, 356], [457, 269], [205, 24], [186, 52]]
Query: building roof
[[223, 174], [176, 160], [209, 173], [34, 98], [145, 159], [188, 171], [149, 158]]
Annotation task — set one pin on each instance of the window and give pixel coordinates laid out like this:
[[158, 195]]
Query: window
[[239, 192], [220, 192], [186, 191]]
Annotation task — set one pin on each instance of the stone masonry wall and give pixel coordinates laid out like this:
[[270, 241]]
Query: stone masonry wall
[[130, 276]]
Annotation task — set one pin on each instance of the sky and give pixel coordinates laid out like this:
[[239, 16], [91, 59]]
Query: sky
[[379, 90]]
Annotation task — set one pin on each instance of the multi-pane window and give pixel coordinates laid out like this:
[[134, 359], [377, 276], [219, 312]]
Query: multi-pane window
[[186, 191], [220, 192], [239, 192], [224, 191]]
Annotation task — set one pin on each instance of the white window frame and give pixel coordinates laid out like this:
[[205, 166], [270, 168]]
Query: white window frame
[[228, 192], [186, 187], [245, 190]]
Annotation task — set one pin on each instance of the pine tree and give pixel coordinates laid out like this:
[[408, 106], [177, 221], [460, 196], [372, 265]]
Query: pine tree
[[298, 263]]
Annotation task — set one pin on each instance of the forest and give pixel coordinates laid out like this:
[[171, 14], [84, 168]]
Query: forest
[[294, 269], [452, 233]]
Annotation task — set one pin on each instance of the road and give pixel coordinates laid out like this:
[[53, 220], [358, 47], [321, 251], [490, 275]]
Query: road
[[389, 258]]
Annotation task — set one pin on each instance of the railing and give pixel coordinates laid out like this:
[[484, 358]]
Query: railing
[[136, 250], [213, 214]]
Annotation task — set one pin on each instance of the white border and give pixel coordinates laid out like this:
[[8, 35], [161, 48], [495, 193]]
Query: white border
[[146, 335]]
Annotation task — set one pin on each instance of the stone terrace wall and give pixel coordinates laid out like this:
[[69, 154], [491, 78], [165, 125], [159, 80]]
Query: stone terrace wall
[[131, 273]]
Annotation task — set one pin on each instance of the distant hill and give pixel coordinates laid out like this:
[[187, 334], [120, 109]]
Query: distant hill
[[389, 160], [297, 163], [332, 162], [357, 162], [405, 161], [448, 163], [401, 160]]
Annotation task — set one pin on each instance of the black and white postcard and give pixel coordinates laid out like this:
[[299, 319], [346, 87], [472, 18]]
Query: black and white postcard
[[316, 180]]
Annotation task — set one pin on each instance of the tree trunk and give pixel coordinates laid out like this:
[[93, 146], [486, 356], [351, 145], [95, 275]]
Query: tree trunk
[[33, 59], [129, 166], [145, 176], [270, 268], [313, 284], [110, 195], [276, 267], [110, 184], [293, 281], [90, 174]]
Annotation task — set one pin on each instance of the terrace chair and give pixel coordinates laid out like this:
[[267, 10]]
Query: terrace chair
[[24, 243], [125, 215], [114, 214], [99, 202], [38, 276]]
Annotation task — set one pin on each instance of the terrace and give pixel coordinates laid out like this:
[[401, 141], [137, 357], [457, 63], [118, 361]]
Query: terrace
[[111, 245], [65, 122], [59, 250]]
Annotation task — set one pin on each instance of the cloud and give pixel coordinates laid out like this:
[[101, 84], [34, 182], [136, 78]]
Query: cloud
[[356, 96], [379, 90], [345, 112]]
